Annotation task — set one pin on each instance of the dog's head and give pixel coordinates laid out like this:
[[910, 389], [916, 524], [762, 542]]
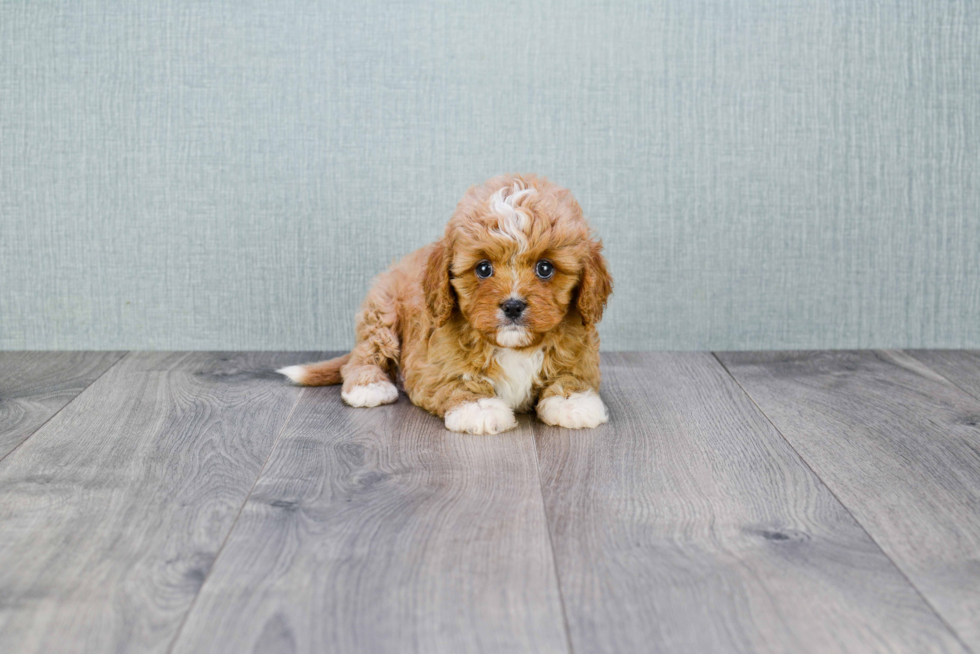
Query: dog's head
[[516, 259]]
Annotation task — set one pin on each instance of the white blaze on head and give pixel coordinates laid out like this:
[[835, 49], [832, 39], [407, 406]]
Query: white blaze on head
[[513, 222]]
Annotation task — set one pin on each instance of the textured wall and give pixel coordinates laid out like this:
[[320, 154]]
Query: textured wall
[[791, 173]]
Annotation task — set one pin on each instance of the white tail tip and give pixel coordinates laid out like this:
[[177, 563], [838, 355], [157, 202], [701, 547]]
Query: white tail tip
[[296, 374]]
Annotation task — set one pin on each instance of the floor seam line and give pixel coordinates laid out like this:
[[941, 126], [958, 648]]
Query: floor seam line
[[551, 540], [68, 404], [939, 374], [234, 523], [860, 524]]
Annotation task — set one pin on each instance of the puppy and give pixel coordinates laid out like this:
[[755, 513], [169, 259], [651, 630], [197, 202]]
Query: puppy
[[498, 316]]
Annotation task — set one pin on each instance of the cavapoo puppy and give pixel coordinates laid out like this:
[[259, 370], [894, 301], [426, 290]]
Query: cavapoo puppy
[[498, 316]]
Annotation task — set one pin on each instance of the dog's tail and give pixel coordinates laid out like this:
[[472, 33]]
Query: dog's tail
[[324, 373]]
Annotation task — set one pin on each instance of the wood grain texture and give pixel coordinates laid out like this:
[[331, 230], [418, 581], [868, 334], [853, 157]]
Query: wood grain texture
[[113, 512], [36, 385], [687, 524], [900, 446], [961, 367], [379, 531]]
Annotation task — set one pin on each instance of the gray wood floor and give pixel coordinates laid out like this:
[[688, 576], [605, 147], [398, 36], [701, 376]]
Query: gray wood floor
[[738, 502]]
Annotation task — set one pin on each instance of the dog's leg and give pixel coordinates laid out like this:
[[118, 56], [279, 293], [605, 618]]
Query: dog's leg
[[486, 415], [367, 386], [571, 402], [374, 360], [577, 410], [467, 405]]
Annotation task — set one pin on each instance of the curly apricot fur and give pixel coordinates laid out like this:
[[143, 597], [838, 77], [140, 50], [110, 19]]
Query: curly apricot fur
[[430, 321]]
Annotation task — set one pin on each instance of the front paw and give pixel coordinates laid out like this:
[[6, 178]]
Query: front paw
[[485, 416], [577, 411]]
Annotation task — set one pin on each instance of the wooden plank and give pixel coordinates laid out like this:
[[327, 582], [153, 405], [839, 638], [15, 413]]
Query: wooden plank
[[962, 367], [900, 446], [376, 530], [687, 524], [36, 385], [113, 512]]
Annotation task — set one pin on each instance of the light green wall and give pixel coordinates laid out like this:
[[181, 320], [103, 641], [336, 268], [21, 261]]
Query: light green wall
[[784, 174]]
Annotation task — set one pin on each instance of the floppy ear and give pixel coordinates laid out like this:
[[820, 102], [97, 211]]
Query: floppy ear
[[595, 287], [439, 293]]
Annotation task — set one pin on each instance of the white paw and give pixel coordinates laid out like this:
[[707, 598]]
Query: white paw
[[296, 374], [382, 392], [485, 416], [577, 411]]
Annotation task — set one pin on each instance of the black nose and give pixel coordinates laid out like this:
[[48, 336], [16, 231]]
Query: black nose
[[513, 308]]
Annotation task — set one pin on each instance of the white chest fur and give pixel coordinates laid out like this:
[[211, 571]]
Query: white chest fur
[[519, 370]]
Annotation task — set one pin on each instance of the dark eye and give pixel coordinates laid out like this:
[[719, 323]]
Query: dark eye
[[484, 269], [544, 269]]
